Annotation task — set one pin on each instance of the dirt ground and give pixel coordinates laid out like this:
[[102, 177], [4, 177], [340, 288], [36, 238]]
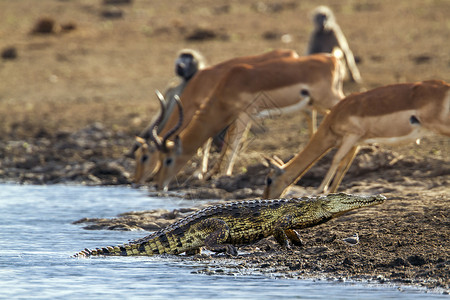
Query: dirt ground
[[72, 99]]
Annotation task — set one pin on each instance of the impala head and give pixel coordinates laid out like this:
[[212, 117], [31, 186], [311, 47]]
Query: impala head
[[168, 152], [147, 161], [146, 155], [274, 186], [169, 163]]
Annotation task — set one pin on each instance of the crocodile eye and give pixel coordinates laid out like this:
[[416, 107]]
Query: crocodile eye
[[268, 181], [169, 161]]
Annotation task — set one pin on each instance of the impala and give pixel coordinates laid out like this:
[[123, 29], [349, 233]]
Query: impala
[[194, 94], [388, 114], [292, 83], [270, 106], [187, 64]]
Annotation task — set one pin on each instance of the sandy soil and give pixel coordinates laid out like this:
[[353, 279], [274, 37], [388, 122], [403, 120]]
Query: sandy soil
[[71, 101]]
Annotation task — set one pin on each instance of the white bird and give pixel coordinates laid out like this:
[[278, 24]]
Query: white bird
[[352, 240]]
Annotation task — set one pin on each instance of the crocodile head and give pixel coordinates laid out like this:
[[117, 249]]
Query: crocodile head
[[337, 204]]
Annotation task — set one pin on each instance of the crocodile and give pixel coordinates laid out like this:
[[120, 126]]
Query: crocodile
[[219, 228]]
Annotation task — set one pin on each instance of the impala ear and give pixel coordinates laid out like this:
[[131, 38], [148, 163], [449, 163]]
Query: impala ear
[[140, 140], [273, 163], [278, 160], [265, 160]]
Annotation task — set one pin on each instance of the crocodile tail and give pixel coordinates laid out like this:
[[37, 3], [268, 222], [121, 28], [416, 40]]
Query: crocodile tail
[[123, 250]]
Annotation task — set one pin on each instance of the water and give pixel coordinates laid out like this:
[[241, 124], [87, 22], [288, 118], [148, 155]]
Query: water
[[37, 240]]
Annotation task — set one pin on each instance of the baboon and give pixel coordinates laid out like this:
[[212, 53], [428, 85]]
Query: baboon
[[328, 37], [186, 65], [188, 62]]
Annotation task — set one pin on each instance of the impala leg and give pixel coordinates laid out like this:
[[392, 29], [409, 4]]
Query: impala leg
[[236, 134], [311, 117], [343, 168], [313, 124], [347, 145], [217, 167], [241, 136], [205, 158]]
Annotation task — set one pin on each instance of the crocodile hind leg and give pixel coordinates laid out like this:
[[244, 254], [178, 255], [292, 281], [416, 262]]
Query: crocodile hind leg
[[194, 251], [218, 234]]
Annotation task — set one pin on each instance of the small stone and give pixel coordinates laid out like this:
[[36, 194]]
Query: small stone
[[9, 53]]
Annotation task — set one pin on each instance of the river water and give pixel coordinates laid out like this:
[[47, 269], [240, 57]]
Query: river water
[[37, 239]]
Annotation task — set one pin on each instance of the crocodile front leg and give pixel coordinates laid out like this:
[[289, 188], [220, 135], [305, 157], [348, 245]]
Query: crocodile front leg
[[215, 241], [284, 236], [281, 237]]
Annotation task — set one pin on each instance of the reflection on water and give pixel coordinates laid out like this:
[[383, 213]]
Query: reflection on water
[[37, 240]]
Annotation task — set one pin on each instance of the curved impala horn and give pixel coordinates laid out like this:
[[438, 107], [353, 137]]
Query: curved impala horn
[[176, 127], [154, 127]]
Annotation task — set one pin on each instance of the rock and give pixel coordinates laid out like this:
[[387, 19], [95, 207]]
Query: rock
[[205, 34], [112, 13], [416, 260], [9, 53], [45, 25], [112, 171], [348, 262], [117, 2], [398, 262]]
